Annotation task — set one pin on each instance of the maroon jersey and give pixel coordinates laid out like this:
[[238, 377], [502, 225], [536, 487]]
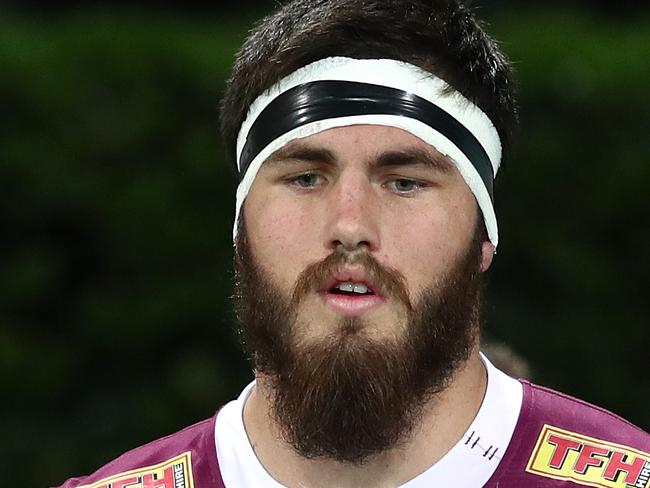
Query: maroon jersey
[[561, 441], [186, 459], [558, 441]]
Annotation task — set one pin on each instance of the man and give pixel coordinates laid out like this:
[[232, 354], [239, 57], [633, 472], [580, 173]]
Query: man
[[367, 135]]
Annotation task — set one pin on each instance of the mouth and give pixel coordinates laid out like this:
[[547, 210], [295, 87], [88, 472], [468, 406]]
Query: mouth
[[350, 288], [350, 293]]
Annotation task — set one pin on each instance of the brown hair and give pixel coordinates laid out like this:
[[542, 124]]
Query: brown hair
[[440, 36]]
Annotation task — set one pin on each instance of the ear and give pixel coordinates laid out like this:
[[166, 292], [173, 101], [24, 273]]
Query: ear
[[487, 254]]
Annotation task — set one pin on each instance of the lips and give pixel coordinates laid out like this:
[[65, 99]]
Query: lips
[[353, 276], [351, 292]]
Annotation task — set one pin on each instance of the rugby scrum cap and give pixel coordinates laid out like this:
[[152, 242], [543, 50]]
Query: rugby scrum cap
[[341, 91]]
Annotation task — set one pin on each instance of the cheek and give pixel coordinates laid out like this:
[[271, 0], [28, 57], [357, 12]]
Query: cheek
[[425, 243], [279, 235], [417, 248]]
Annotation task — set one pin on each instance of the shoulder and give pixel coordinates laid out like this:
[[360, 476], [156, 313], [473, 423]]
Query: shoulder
[[546, 406], [184, 458], [564, 441]]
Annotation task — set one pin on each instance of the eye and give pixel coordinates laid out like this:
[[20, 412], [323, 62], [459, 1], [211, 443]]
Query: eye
[[307, 180], [404, 185]]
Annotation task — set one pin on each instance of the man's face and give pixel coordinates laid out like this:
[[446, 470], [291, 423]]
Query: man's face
[[358, 285], [363, 188]]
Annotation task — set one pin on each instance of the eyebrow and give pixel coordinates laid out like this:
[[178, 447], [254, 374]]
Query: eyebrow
[[396, 158], [414, 156], [301, 152]]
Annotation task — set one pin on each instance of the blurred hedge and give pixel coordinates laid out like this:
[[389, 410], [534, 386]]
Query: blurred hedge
[[116, 211]]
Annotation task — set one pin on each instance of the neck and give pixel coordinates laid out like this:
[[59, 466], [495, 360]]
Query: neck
[[444, 420]]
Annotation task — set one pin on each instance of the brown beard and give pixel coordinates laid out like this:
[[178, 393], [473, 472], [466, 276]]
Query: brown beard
[[348, 397]]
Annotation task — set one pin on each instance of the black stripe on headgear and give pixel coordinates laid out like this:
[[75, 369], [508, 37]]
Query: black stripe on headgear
[[320, 100]]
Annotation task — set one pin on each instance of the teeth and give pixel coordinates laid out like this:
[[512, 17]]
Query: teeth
[[353, 287], [346, 287], [359, 288]]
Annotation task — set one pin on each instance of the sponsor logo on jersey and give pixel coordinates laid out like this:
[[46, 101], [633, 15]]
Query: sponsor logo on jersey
[[565, 455], [173, 473]]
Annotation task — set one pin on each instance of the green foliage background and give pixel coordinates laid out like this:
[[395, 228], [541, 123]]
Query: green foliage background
[[116, 210]]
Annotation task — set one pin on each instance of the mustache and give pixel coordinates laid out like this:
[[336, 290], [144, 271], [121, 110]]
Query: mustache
[[389, 282]]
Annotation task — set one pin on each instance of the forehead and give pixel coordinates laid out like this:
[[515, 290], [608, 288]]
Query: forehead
[[369, 143]]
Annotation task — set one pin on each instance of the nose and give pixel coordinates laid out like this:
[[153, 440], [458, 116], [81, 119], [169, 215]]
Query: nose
[[352, 213]]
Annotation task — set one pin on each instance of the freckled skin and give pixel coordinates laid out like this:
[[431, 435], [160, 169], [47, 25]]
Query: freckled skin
[[414, 218]]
